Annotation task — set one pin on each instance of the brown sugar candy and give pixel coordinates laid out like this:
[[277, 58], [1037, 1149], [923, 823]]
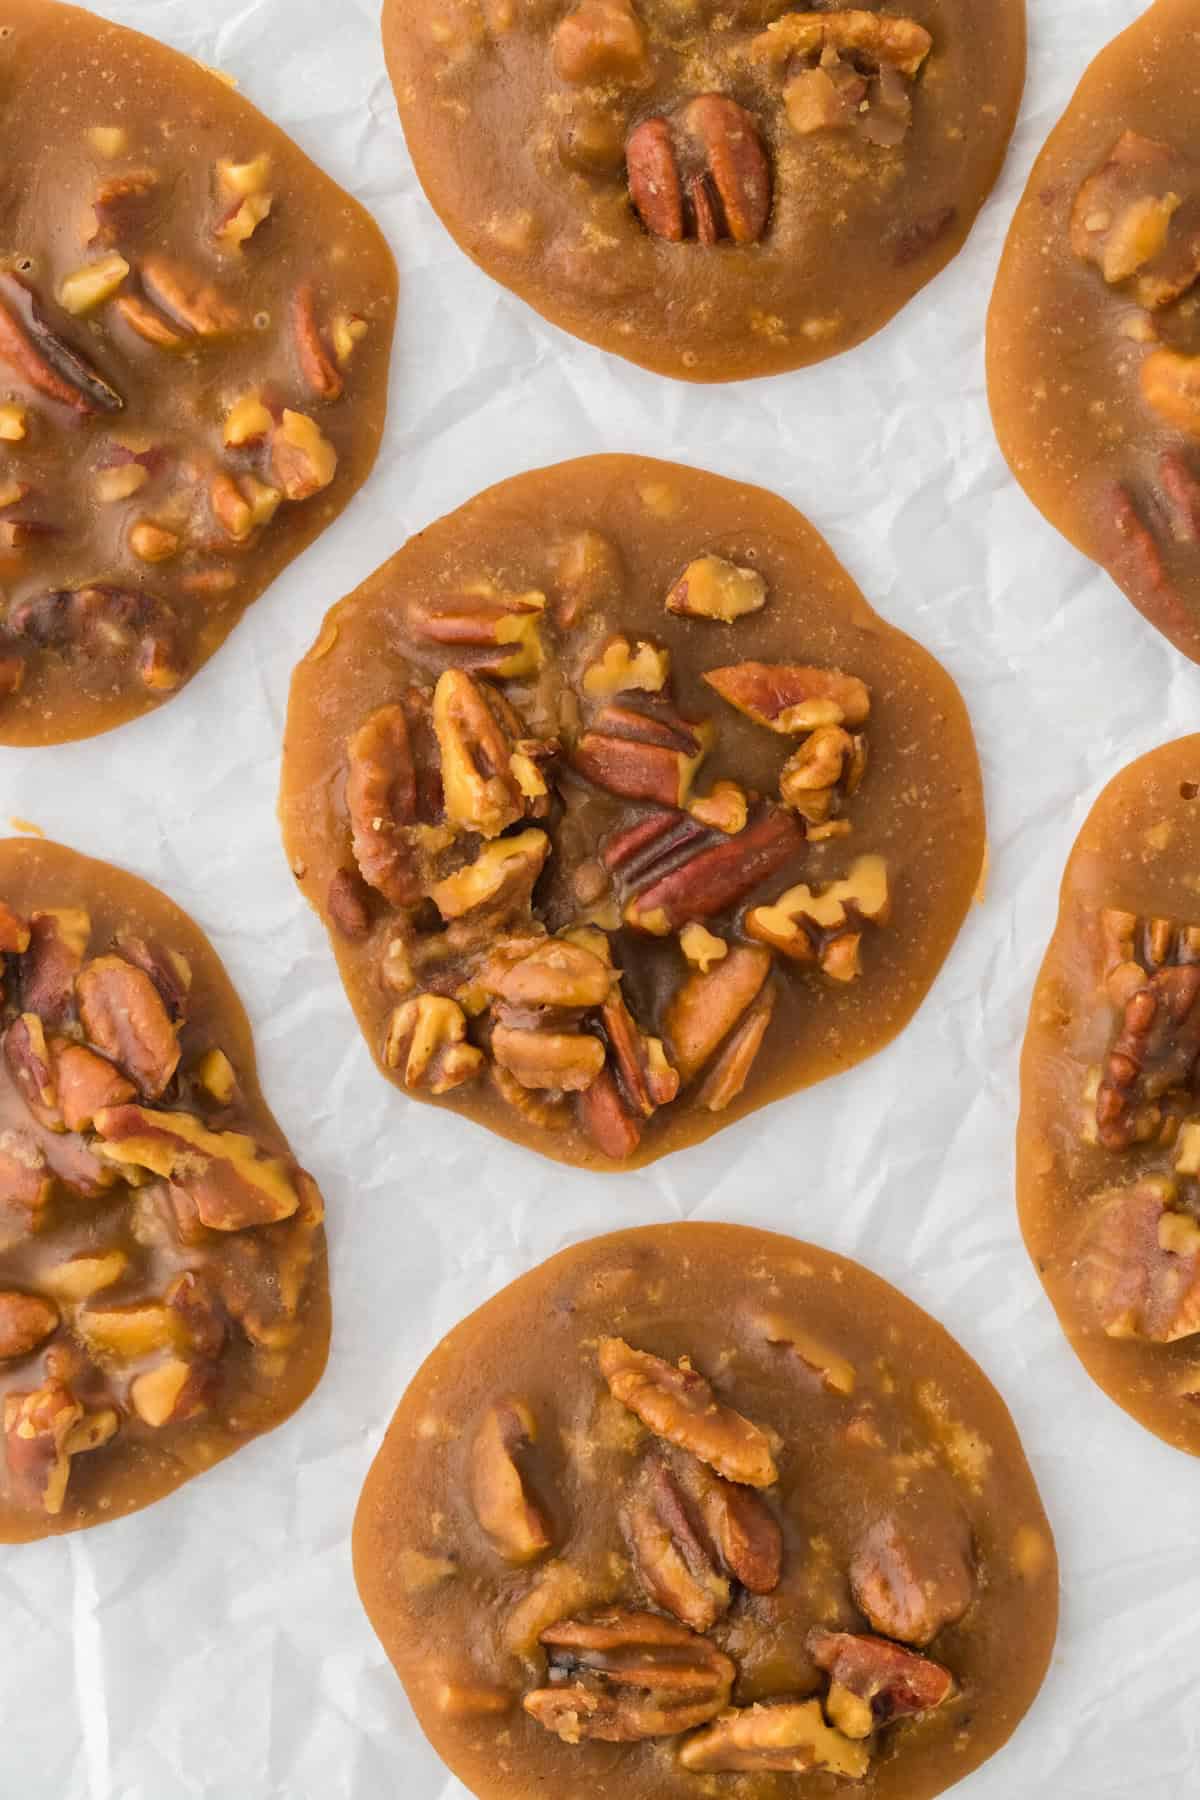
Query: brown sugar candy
[[1109, 1141], [163, 1287], [697, 1501], [625, 812], [1093, 347], [195, 331], [725, 189]]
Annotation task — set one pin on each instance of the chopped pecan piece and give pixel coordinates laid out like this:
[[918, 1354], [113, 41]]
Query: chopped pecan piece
[[886, 1682], [908, 1587], [43, 1431], [873, 38], [701, 948], [123, 1014], [26, 1320], [148, 323], [168, 969], [726, 808], [600, 41], [707, 1006], [1124, 220], [731, 1070], [834, 1371], [427, 1036], [810, 779], [790, 698], [643, 755], [623, 669], [561, 1061], [678, 1404], [233, 1182], [502, 877], [79, 1277], [348, 905], [1170, 384], [503, 628], [789, 1737], [188, 298], [381, 798], [625, 1676], [715, 876], [12, 676], [85, 1084], [516, 1524], [714, 588], [303, 461], [320, 373], [603, 1116], [701, 174], [478, 734], [826, 927], [14, 932], [1138, 1263], [36, 355], [588, 573], [90, 287], [171, 1393], [29, 1065], [1181, 497], [1155, 1052]]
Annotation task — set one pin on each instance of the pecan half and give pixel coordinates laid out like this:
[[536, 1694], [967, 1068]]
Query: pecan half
[[303, 460], [58, 941], [789, 1737], [500, 631], [43, 1431], [703, 173], [122, 1012], [36, 355], [588, 572], [604, 1118], [600, 41], [188, 298], [624, 1676], [381, 799], [553, 973], [516, 1525], [791, 698], [26, 1320], [647, 1079], [731, 1070], [148, 323], [874, 1682], [909, 1586], [234, 1184], [1155, 1052], [715, 877], [677, 1569], [347, 902], [643, 755], [427, 1037], [1124, 220], [678, 1404], [707, 1006], [714, 588], [1135, 561], [320, 373], [478, 734], [1138, 1263], [1181, 497], [25, 1180], [691, 1533], [561, 1061], [833, 1370], [168, 969]]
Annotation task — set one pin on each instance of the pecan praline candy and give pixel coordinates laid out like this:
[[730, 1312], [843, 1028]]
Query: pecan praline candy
[[724, 189], [697, 1502], [625, 812]]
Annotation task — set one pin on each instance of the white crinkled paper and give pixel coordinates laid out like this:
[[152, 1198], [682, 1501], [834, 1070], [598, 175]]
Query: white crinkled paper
[[213, 1648]]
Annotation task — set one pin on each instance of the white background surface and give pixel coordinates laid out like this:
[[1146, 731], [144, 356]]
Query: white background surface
[[214, 1646]]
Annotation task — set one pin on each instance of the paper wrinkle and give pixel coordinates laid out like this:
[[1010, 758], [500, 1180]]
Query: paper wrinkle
[[213, 1648]]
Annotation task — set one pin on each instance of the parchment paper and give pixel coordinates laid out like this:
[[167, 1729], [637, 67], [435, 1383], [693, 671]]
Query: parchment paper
[[214, 1646]]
